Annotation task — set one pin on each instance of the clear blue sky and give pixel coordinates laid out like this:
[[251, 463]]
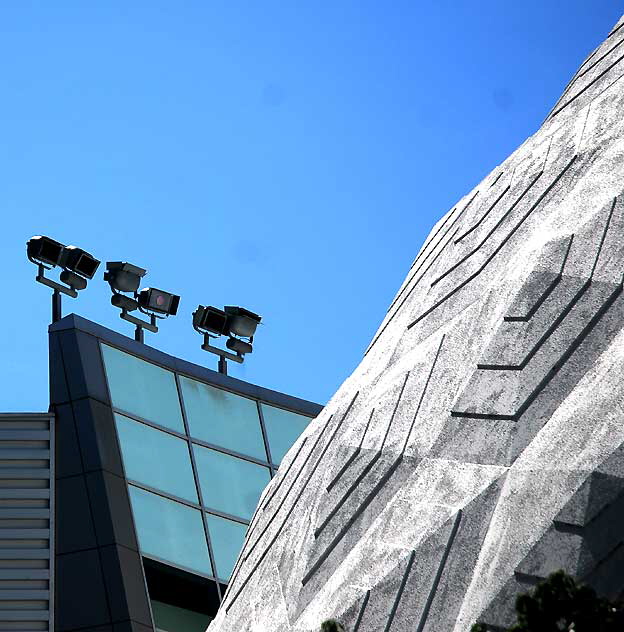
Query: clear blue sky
[[289, 157]]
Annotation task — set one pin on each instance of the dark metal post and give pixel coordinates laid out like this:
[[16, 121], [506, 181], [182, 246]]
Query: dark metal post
[[222, 365], [56, 306], [138, 334]]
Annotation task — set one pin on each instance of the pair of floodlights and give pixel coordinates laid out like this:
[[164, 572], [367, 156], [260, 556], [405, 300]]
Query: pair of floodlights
[[124, 278]]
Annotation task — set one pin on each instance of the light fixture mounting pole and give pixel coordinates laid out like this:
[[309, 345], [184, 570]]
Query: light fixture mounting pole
[[56, 295], [57, 310], [224, 356], [138, 334]]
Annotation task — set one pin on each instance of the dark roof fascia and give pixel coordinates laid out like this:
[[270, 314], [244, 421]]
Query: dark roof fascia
[[115, 339]]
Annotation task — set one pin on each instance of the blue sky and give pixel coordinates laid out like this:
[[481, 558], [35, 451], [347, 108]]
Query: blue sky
[[289, 157]]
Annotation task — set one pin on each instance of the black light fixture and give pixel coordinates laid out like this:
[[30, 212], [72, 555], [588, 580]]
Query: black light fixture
[[126, 277], [151, 299], [232, 321], [44, 250], [211, 319], [123, 276], [78, 266], [241, 322], [79, 261], [238, 345]]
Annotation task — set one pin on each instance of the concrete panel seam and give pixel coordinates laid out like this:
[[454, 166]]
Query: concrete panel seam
[[438, 577], [400, 591], [497, 249]]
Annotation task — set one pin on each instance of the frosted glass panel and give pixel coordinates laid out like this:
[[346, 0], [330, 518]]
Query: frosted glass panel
[[283, 429], [170, 531], [227, 539], [229, 484], [142, 389], [223, 418], [156, 458]]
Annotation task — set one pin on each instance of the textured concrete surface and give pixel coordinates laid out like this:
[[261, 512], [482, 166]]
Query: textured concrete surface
[[479, 445]]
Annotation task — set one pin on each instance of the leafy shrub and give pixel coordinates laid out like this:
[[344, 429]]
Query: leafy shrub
[[559, 604]]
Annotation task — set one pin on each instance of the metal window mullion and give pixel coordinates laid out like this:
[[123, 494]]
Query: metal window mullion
[[227, 516], [147, 422], [163, 494], [198, 487], [265, 438], [185, 437], [187, 503], [236, 455]]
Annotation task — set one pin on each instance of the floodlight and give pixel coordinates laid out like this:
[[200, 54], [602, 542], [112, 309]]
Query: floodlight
[[232, 321], [240, 346], [44, 250], [241, 322], [210, 319], [126, 277], [75, 281], [79, 261], [153, 300], [123, 276], [78, 266]]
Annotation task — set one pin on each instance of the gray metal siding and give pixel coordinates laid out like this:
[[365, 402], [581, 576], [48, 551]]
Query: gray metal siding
[[26, 521]]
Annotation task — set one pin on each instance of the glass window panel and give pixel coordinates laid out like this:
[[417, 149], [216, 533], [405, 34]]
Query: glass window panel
[[170, 618], [170, 530], [229, 484], [156, 458], [142, 388], [227, 539], [283, 429], [223, 418]]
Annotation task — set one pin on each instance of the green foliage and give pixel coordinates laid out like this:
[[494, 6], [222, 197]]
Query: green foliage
[[331, 625], [559, 604]]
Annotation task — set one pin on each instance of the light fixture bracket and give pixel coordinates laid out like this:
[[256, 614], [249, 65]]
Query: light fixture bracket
[[223, 355], [59, 287], [140, 324]]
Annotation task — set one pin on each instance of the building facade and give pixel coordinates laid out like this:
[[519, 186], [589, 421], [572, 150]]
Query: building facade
[[125, 507]]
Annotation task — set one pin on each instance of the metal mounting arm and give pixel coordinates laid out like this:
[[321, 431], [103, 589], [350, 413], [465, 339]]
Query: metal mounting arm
[[223, 355], [140, 325]]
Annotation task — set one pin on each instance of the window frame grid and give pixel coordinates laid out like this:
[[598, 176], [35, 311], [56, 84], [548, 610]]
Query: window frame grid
[[189, 444], [216, 446], [204, 510], [190, 376], [188, 503], [138, 357], [148, 487], [200, 442], [203, 444]]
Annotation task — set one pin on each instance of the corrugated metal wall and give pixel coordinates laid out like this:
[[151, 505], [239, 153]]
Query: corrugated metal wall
[[26, 524]]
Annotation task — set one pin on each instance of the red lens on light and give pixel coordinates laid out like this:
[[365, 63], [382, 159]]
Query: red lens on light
[[160, 300]]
